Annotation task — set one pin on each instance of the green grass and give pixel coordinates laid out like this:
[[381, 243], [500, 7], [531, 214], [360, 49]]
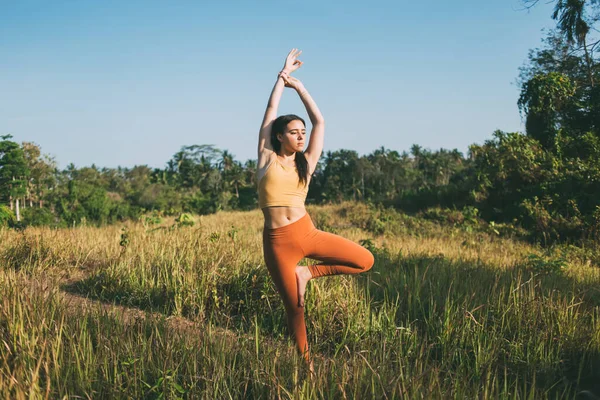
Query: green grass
[[446, 312]]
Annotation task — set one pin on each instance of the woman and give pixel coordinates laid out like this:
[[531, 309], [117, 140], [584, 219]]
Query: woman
[[283, 175]]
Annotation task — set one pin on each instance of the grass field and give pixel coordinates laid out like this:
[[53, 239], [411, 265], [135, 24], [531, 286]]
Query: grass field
[[156, 310]]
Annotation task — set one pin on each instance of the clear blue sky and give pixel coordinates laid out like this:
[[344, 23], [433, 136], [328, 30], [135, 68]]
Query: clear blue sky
[[130, 82]]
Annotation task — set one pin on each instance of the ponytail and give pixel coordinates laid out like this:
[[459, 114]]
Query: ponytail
[[302, 167]]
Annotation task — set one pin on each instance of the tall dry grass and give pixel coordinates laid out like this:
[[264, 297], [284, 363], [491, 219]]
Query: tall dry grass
[[446, 312]]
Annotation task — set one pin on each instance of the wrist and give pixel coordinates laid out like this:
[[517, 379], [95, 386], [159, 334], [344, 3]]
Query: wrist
[[301, 89]]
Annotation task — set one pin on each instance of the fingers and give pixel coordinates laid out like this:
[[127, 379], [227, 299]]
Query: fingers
[[294, 53], [286, 78], [293, 67]]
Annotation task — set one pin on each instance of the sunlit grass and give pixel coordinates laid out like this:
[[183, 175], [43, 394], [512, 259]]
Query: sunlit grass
[[445, 312]]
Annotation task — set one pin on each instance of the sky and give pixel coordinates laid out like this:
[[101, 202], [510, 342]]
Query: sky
[[124, 83]]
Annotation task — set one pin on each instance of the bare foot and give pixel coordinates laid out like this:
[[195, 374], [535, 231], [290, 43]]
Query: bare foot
[[303, 275]]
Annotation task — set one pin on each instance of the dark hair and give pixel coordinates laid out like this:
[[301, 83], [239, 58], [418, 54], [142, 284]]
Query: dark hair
[[278, 127]]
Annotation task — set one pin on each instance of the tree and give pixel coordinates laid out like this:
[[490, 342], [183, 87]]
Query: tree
[[13, 172], [226, 162], [235, 177], [543, 98], [573, 25], [192, 164], [42, 170], [250, 172], [570, 51], [340, 175]]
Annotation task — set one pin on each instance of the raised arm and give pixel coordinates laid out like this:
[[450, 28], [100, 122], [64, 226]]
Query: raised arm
[[317, 134], [264, 137]]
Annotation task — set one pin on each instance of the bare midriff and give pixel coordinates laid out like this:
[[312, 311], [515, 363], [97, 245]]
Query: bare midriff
[[277, 217]]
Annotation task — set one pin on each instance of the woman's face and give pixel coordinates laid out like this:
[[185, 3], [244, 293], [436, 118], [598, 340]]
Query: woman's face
[[293, 136]]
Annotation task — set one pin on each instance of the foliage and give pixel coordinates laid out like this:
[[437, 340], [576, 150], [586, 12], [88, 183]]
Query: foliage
[[184, 220], [13, 170], [544, 182], [542, 99], [34, 216], [7, 217], [545, 265]]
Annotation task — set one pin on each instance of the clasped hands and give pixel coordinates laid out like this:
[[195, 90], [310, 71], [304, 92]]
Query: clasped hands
[[291, 64]]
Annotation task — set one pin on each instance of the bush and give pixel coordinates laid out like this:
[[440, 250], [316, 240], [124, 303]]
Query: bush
[[444, 216], [7, 217], [184, 220], [545, 265], [38, 217]]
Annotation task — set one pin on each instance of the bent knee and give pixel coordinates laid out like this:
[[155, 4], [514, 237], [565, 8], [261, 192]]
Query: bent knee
[[367, 260]]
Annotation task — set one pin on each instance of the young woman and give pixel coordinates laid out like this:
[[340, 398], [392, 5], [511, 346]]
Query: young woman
[[283, 176]]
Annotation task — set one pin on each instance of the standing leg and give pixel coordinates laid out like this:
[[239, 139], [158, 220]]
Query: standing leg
[[281, 259]]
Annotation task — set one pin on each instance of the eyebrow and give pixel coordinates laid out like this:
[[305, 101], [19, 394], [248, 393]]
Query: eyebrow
[[292, 130]]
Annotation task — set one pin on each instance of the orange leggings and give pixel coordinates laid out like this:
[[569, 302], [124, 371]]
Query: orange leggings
[[284, 247]]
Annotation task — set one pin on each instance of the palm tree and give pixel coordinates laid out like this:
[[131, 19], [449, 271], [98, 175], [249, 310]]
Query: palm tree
[[236, 177], [14, 172], [226, 161], [571, 22], [250, 168]]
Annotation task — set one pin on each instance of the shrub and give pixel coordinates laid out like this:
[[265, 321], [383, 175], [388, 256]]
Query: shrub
[[7, 217], [38, 217]]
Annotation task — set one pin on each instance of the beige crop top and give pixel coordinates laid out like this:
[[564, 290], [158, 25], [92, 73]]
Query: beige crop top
[[281, 187]]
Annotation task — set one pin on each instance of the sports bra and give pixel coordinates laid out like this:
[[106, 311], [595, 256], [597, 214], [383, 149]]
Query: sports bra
[[280, 187]]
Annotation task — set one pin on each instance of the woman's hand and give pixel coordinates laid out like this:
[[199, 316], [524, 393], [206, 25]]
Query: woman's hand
[[291, 61], [291, 82]]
